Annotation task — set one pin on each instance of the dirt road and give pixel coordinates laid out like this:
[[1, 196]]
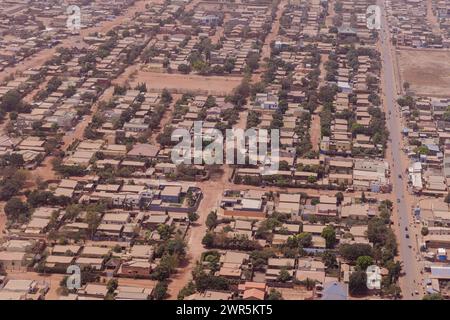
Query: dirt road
[[432, 19], [2, 218], [315, 129], [212, 192], [265, 51], [331, 13]]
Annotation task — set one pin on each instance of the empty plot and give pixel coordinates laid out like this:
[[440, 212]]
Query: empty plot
[[427, 71], [181, 83]]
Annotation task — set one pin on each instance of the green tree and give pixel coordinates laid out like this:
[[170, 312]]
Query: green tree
[[15, 160], [329, 259], [184, 68], [211, 220], [363, 197], [423, 150], [208, 240], [187, 290], [160, 291], [329, 235], [193, 216], [72, 211], [205, 281], [15, 209], [112, 285], [11, 101], [166, 97], [358, 283], [394, 270], [424, 231], [447, 198], [303, 240], [351, 252], [93, 220], [393, 290], [363, 262], [433, 296], [284, 275], [274, 295], [164, 231], [406, 85]]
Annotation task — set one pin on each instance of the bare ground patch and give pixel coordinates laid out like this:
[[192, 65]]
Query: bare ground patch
[[181, 83], [427, 71]]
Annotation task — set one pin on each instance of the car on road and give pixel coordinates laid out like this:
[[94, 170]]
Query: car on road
[[407, 236], [399, 176], [406, 228], [398, 200]]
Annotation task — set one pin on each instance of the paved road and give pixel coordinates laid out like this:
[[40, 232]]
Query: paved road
[[398, 167]]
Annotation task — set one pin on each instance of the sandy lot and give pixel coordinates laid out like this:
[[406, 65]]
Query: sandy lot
[[298, 293], [427, 71], [181, 83]]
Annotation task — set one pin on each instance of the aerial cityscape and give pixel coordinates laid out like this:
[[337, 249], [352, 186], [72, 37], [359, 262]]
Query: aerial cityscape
[[224, 150]]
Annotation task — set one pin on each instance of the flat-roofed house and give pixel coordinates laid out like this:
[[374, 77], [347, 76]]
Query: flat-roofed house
[[59, 262], [133, 293], [326, 209], [94, 263], [95, 252], [139, 251], [66, 249], [171, 194], [144, 150], [93, 291], [233, 264], [314, 229], [136, 268], [116, 218], [12, 260], [245, 205]]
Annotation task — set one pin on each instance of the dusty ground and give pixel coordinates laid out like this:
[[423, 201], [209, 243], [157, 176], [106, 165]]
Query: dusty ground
[[184, 83], [2, 218], [295, 293], [331, 13], [432, 19], [45, 170], [427, 71], [314, 130], [212, 191]]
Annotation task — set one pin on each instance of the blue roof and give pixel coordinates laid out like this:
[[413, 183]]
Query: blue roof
[[433, 147], [440, 272], [335, 291]]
